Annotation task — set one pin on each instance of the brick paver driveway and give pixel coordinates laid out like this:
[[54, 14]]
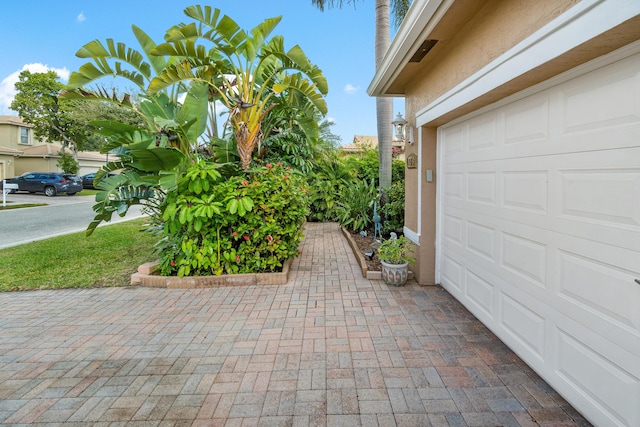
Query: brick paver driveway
[[329, 348]]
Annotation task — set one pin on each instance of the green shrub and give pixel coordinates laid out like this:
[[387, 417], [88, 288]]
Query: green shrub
[[67, 163], [392, 209], [326, 182], [356, 205], [243, 224]]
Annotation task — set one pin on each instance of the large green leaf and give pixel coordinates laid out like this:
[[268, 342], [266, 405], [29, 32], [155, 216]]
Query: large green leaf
[[147, 44], [156, 159], [195, 108]]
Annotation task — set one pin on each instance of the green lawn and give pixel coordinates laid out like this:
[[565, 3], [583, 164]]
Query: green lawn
[[106, 258]]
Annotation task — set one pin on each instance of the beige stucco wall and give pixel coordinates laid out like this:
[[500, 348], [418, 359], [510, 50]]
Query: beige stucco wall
[[36, 164], [6, 167], [494, 29]]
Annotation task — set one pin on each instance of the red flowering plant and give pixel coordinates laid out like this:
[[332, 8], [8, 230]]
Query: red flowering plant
[[216, 225]]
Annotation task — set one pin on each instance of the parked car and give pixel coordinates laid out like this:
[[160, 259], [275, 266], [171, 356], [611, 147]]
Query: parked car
[[88, 179], [49, 183]]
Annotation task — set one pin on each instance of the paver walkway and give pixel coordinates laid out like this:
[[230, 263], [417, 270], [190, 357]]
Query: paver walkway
[[329, 348]]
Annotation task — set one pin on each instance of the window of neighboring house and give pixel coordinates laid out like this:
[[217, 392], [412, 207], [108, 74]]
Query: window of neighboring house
[[24, 136]]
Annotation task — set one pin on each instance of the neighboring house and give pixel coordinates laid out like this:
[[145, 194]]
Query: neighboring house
[[360, 144], [21, 153], [44, 158], [14, 137], [525, 200], [363, 142]]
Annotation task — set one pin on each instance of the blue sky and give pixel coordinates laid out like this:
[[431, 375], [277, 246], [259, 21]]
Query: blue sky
[[44, 34]]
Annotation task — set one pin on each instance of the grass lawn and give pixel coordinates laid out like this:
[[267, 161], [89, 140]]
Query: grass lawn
[[106, 258], [23, 205]]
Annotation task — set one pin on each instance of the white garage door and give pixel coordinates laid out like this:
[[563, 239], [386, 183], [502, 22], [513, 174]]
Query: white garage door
[[539, 233]]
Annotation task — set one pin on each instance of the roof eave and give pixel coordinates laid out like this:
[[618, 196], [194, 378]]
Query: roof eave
[[422, 17]]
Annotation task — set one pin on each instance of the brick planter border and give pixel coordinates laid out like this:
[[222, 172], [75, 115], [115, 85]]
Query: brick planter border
[[146, 277], [371, 275]]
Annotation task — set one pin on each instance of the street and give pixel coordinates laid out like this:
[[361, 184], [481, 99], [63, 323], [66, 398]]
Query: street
[[62, 215]]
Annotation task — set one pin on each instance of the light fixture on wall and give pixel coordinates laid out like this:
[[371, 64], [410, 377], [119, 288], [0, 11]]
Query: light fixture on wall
[[399, 127], [403, 132]]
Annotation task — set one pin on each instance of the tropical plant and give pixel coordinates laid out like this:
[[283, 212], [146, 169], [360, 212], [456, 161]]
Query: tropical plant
[[326, 182], [356, 205], [248, 72], [396, 251]]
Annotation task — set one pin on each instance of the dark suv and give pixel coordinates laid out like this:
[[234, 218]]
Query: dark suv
[[49, 183]]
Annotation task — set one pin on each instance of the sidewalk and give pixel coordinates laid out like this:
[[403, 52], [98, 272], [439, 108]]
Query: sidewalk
[[328, 349]]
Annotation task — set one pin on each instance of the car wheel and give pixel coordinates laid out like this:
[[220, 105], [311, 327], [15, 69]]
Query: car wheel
[[49, 191]]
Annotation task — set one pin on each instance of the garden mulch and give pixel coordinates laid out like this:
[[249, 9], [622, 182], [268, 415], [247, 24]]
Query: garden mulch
[[329, 348]]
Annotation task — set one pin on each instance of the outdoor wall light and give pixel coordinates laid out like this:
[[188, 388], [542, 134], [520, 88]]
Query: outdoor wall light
[[398, 126]]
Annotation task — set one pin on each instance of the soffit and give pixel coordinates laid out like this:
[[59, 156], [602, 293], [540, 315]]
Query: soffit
[[437, 20]]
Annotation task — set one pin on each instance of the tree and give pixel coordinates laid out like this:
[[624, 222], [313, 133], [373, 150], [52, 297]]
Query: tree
[[68, 121], [38, 104], [384, 105]]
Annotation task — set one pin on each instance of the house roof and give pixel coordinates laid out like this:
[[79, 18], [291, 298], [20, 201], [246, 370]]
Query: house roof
[[52, 150], [43, 150], [360, 143], [13, 120], [10, 151]]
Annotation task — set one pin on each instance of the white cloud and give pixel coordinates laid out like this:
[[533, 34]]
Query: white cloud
[[81, 17], [350, 89], [7, 85]]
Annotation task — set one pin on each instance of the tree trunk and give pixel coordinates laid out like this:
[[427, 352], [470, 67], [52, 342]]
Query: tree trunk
[[384, 105]]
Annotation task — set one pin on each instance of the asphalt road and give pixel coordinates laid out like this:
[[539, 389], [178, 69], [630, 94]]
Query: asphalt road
[[62, 215]]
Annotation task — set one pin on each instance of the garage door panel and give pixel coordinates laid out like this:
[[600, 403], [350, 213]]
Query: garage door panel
[[528, 121], [525, 325], [481, 239], [481, 188], [525, 257], [482, 134], [606, 98], [539, 219], [481, 293], [597, 380], [595, 286], [614, 196], [526, 190]]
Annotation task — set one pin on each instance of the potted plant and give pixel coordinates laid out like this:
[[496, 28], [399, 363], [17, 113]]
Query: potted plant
[[394, 255]]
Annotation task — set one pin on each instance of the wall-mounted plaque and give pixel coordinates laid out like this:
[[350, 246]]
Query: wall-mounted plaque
[[412, 161]]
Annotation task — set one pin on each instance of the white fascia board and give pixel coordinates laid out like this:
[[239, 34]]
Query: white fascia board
[[420, 20], [586, 20]]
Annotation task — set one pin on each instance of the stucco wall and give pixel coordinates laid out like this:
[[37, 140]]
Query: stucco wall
[[6, 167], [496, 28], [35, 164]]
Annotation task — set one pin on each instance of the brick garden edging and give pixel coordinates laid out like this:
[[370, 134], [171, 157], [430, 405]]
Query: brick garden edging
[[146, 277], [371, 275]]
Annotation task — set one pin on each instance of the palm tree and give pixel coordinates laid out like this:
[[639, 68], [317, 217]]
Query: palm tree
[[384, 106]]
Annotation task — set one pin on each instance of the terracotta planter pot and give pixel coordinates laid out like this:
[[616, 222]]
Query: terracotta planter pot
[[395, 274]]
